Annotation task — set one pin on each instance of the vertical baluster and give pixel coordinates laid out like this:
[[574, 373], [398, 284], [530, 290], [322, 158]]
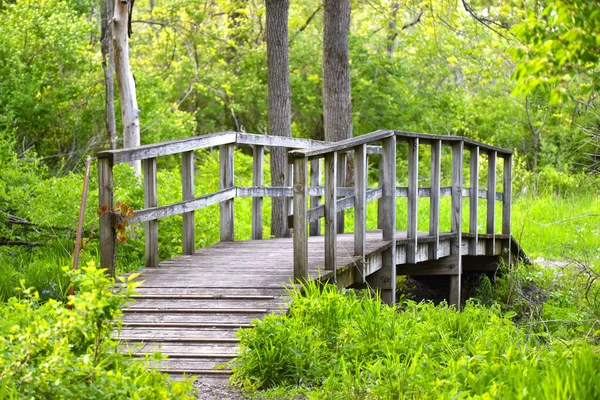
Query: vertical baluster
[[434, 199], [187, 189], [491, 204], [150, 200], [331, 211], [226, 181], [413, 200], [360, 209], [289, 200], [507, 202], [300, 219], [315, 201], [474, 200], [341, 182], [108, 237], [457, 177], [380, 215], [258, 160]]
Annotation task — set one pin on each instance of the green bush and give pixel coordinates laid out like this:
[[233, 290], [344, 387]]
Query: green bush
[[49, 351]]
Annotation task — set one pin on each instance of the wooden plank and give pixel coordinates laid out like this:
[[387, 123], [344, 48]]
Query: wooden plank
[[226, 181], [108, 236], [286, 191], [380, 215], [183, 206], [507, 203], [187, 185], [300, 219], [166, 148], [150, 200], [278, 141], [330, 211], [289, 200], [360, 207], [456, 221], [413, 191], [343, 204], [315, 201], [442, 266], [341, 181], [451, 140], [474, 199], [434, 200], [342, 145], [258, 161], [491, 201]]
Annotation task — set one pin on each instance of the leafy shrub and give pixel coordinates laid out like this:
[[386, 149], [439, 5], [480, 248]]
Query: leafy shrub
[[49, 351]]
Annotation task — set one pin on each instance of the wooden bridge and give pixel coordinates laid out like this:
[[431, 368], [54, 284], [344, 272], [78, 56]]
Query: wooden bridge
[[191, 306]]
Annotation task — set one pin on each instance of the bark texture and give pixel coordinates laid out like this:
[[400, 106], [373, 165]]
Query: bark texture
[[130, 114], [280, 105], [337, 107], [108, 65]]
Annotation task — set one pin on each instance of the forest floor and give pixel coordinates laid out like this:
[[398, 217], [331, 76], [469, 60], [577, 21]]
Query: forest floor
[[216, 390]]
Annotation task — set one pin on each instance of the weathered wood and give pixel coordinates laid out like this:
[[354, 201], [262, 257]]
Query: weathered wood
[[474, 199], [226, 181], [258, 161], [341, 145], [343, 204], [276, 141], [413, 192], [187, 185], [150, 200], [330, 211], [167, 148], [456, 220], [300, 219], [491, 201], [315, 201], [434, 200], [450, 140], [289, 200], [442, 266], [341, 182], [380, 215], [360, 206], [108, 236], [507, 202]]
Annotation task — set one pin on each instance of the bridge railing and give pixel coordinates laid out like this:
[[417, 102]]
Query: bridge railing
[[387, 192]]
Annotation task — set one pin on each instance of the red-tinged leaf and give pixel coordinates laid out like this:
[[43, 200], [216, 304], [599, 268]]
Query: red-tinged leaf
[[120, 226], [99, 212], [104, 208]]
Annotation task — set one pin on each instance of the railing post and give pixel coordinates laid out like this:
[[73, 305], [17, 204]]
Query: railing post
[[150, 200], [187, 185], [360, 207], [434, 199], [457, 178], [226, 181], [380, 215], [491, 204], [258, 160], [300, 219], [506, 206], [474, 200], [331, 211], [385, 278], [341, 182], [315, 201], [289, 200], [413, 200], [108, 236]]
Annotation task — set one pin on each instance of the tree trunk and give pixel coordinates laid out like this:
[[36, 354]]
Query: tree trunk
[[130, 113], [337, 108], [392, 30], [280, 105], [108, 65]]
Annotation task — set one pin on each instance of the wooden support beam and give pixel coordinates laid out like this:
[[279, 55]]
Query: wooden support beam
[[289, 179], [150, 200], [341, 182], [443, 266], [315, 201], [360, 207], [380, 202], [474, 199], [331, 211], [413, 200], [187, 189], [457, 179], [507, 202], [258, 161], [300, 219], [108, 235], [226, 181], [491, 202], [434, 198]]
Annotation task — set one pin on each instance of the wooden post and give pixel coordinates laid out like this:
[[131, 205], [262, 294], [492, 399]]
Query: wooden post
[[315, 201], [360, 208], [341, 182], [385, 278], [491, 204], [289, 200], [506, 205], [300, 219], [413, 200], [380, 215], [457, 177], [474, 200], [150, 200], [434, 199], [108, 235], [226, 163], [187, 185], [331, 211], [258, 160]]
